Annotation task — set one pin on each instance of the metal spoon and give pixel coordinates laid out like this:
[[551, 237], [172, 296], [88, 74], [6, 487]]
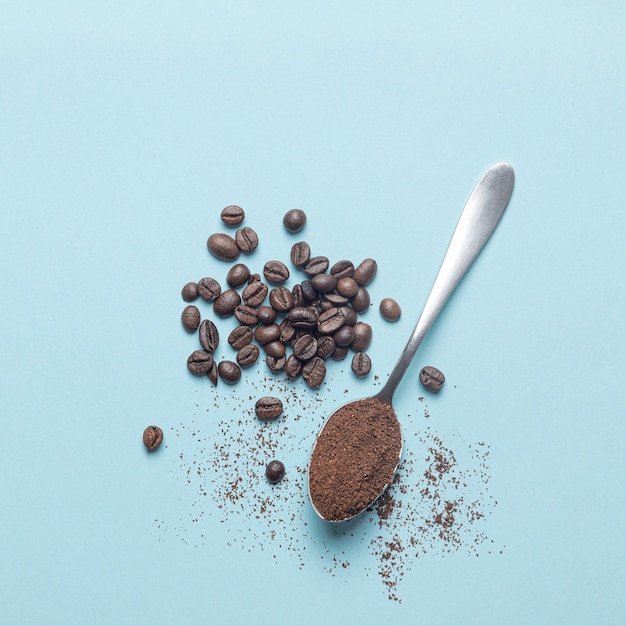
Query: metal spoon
[[478, 220]]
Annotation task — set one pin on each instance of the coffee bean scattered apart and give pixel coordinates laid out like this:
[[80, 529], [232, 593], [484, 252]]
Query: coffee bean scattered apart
[[229, 372], [361, 364], [246, 240], [190, 292], [294, 220], [152, 438], [432, 378], [268, 408], [233, 215], [223, 246], [275, 471], [390, 309], [190, 318]]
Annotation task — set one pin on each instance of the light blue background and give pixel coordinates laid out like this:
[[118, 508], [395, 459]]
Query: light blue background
[[126, 127]]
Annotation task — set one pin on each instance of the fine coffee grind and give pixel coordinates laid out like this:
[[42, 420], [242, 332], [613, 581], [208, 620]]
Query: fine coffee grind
[[354, 458]]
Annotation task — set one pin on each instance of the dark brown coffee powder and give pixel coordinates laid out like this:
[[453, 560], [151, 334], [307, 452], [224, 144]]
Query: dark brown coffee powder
[[354, 458]]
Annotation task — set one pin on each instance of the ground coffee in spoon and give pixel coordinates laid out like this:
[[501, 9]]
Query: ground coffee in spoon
[[354, 458]]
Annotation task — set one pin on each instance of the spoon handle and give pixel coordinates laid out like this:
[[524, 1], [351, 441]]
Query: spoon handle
[[478, 220]]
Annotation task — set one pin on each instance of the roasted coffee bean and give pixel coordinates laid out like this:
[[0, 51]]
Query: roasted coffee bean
[[223, 246], [189, 292], [323, 283], [347, 287], [275, 272], [246, 240], [200, 362], [247, 315], [294, 220], [331, 321], [240, 336], [275, 364], [266, 314], [275, 471], [268, 408], [300, 253], [232, 215], [350, 315], [190, 318], [361, 364], [212, 373], [237, 275], [298, 296], [390, 309], [229, 372], [315, 265], [293, 366], [226, 303], [336, 299], [209, 289], [287, 331], [275, 349], [254, 277], [308, 291], [152, 438], [325, 305], [314, 372], [255, 293], [247, 355], [365, 272], [303, 317], [361, 301], [267, 333], [344, 336], [325, 346], [209, 336], [305, 347], [362, 337], [281, 299], [432, 378], [342, 269], [339, 353]]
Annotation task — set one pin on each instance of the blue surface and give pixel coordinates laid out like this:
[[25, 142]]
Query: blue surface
[[125, 131]]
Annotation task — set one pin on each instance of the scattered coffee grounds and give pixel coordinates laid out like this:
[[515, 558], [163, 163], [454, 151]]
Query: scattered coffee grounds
[[390, 309], [354, 458], [152, 438], [432, 378], [275, 471]]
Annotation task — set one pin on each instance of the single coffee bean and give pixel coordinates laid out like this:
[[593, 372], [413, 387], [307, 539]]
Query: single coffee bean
[[305, 347], [344, 336], [362, 337], [275, 349], [267, 333], [247, 355], [238, 275], [339, 353], [275, 272], [253, 278], [266, 314], [331, 321], [246, 240], [315, 265], [268, 408], [365, 272], [275, 471], [361, 301], [287, 330], [281, 299], [308, 291], [226, 303], [223, 246], [298, 296], [390, 309], [190, 292], [294, 220], [361, 364], [275, 364], [347, 287], [190, 318], [342, 269], [325, 346], [293, 366], [240, 336], [303, 317], [350, 315], [247, 315], [232, 215], [300, 253], [229, 372], [325, 305], [152, 438], [212, 373], [336, 298], [209, 289], [432, 378], [323, 283], [314, 372], [200, 362], [209, 336], [254, 294]]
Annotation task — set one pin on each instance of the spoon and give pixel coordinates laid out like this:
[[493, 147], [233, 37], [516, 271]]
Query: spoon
[[358, 449]]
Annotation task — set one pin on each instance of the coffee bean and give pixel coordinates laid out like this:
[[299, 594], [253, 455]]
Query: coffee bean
[[226, 303], [212, 373], [281, 299], [222, 246], [325, 346], [266, 314], [268, 408], [189, 292], [342, 269], [347, 287], [294, 220], [365, 272], [275, 349], [200, 362], [190, 318], [247, 315], [361, 364], [303, 317], [275, 364], [267, 333], [275, 471], [362, 337], [275, 272], [350, 315], [246, 240], [247, 355], [314, 372], [152, 438], [336, 298], [331, 321], [300, 253], [298, 296], [361, 301], [390, 309], [232, 215], [254, 294], [229, 372], [253, 278], [287, 331], [323, 283], [209, 336], [237, 275], [293, 366], [315, 265], [209, 289], [339, 353], [305, 347], [344, 336], [240, 337], [325, 305], [308, 291], [432, 378]]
